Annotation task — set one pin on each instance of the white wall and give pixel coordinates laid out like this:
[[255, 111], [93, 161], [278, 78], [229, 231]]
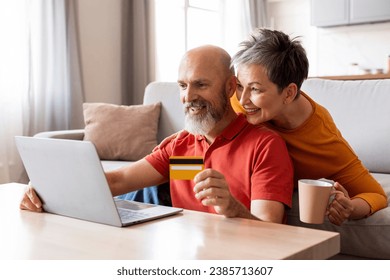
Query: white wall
[[332, 50], [100, 46]]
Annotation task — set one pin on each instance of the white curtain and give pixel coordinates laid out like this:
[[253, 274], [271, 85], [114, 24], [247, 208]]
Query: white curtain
[[40, 85], [240, 18], [138, 60], [256, 14]]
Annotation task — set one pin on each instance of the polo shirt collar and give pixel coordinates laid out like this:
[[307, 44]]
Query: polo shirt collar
[[233, 128]]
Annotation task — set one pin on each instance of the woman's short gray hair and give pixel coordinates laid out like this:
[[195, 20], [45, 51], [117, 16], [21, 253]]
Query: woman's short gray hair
[[284, 59]]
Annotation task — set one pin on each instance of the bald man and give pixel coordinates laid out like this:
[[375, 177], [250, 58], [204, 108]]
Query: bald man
[[248, 172]]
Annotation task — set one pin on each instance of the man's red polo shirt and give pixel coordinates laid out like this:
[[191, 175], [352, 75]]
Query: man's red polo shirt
[[254, 161]]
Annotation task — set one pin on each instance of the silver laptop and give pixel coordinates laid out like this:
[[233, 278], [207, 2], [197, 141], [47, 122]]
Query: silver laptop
[[69, 179]]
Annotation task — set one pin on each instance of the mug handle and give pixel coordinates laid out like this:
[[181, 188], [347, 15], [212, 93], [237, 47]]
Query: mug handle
[[331, 182]]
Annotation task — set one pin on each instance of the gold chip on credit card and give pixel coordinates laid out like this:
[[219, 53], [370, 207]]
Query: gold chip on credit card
[[185, 167]]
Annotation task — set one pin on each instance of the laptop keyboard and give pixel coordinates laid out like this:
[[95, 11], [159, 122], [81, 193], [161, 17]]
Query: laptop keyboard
[[132, 205], [131, 210], [127, 214]]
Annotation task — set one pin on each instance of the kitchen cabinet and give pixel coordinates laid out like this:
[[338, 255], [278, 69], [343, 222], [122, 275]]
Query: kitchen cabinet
[[330, 12], [362, 11], [347, 12]]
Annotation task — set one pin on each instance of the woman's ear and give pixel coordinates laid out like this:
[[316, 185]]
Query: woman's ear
[[291, 92]]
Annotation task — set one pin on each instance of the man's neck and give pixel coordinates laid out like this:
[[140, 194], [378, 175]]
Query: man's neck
[[220, 126]]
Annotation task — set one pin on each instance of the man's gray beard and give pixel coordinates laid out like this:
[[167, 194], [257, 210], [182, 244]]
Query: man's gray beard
[[202, 124], [199, 125]]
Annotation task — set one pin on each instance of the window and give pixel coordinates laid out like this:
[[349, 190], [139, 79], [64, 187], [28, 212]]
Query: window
[[184, 24], [203, 23]]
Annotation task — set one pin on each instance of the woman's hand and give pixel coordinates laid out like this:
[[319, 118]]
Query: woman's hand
[[168, 139], [341, 208]]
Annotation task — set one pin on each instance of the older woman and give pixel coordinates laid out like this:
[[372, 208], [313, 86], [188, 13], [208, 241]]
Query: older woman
[[271, 68]]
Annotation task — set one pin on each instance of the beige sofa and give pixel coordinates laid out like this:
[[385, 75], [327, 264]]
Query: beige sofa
[[361, 109]]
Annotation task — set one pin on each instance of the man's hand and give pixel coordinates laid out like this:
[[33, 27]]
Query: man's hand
[[212, 189], [31, 201]]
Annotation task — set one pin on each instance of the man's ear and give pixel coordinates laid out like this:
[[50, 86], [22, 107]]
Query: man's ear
[[291, 92], [231, 86]]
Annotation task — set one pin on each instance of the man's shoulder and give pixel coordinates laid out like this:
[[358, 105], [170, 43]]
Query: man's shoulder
[[260, 135], [262, 130]]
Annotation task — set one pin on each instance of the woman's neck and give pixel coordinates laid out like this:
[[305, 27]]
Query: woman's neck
[[295, 114]]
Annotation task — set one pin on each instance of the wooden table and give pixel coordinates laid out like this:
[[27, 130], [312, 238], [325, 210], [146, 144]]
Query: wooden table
[[188, 236]]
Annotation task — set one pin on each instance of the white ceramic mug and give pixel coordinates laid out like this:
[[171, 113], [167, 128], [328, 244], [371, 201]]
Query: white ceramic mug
[[313, 200]]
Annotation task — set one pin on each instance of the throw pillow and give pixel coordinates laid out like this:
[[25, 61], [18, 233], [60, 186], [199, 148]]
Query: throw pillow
[[121, 132]]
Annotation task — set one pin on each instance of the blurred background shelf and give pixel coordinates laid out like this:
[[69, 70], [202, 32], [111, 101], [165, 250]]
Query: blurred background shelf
[[357, 77]]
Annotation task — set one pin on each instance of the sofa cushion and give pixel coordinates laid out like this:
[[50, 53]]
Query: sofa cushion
[[360, 110], [121, 132], [368, 238]]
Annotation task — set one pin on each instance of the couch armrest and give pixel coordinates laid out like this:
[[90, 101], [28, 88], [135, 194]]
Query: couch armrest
[[73, 134]]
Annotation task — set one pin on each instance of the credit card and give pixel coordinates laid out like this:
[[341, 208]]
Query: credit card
[[185, 167]]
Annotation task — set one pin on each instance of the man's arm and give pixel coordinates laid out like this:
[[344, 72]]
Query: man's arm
[[268, 210], [133, 177]]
